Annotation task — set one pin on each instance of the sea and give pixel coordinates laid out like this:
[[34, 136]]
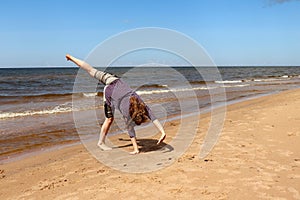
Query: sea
[[38, 105]]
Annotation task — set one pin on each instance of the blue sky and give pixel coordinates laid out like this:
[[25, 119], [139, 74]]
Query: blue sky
[[233, 32]]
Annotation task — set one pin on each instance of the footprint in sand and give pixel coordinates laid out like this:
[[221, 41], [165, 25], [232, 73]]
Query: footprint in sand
[[268, 128], [295, 192], [293, 176], [51, 184], [222, 171], [284, 153], [2, 173]]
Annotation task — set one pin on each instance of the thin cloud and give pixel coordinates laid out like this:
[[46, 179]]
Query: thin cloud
[[126, 21], [274, 2]]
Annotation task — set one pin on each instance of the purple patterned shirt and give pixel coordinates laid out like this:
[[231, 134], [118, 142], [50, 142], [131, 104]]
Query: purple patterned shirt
[[117, 95]]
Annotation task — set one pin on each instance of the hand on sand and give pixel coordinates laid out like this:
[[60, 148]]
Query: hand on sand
[[161, 139], [104, 147]]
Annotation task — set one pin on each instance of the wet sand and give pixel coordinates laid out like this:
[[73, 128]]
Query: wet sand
[[257, 157]]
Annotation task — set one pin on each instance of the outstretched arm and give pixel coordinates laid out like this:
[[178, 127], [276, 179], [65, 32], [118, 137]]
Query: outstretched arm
[[82, 65], [161, 129]]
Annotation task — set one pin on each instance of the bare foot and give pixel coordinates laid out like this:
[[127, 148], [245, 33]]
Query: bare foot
[[104, 147], [161, 139], [134, 152], [68, 57]]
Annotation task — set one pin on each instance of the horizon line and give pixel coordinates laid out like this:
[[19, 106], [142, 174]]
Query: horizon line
[[60, 66]]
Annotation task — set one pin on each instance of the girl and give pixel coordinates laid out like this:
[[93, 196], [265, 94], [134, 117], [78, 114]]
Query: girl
[[118, 94]]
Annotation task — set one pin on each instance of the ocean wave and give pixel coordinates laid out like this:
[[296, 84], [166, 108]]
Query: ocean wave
[[53, 95], [201, 82], [228, 81], [259, 79], [59, 109], [90, 94], [55, 110], [143, 92], [44, 95], [154, 86], [268, 79], [275, 78], [230, 86]]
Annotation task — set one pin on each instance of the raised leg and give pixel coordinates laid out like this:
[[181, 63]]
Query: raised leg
[[82, 64]]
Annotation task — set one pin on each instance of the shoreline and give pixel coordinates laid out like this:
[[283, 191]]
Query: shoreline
[[54, 147], [48, 120]]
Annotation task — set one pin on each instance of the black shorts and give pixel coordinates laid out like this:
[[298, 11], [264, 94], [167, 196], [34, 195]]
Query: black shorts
[[108, 111]]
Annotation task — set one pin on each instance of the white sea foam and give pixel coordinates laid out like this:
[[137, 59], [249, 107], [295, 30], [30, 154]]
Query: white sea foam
[[143, 92], [268, 80], [226, 81], [55, 110], [230, 86], [90, 94]]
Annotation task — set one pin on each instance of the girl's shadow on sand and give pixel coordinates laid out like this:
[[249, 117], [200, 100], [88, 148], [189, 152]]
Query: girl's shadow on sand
[[148, 145]]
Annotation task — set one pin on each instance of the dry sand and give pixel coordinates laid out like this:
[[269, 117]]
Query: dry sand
[[257, 157]]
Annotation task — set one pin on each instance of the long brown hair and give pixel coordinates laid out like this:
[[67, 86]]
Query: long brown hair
[[137, 111]]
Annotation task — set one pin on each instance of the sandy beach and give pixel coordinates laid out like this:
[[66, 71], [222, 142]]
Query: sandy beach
[[257, 157]]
